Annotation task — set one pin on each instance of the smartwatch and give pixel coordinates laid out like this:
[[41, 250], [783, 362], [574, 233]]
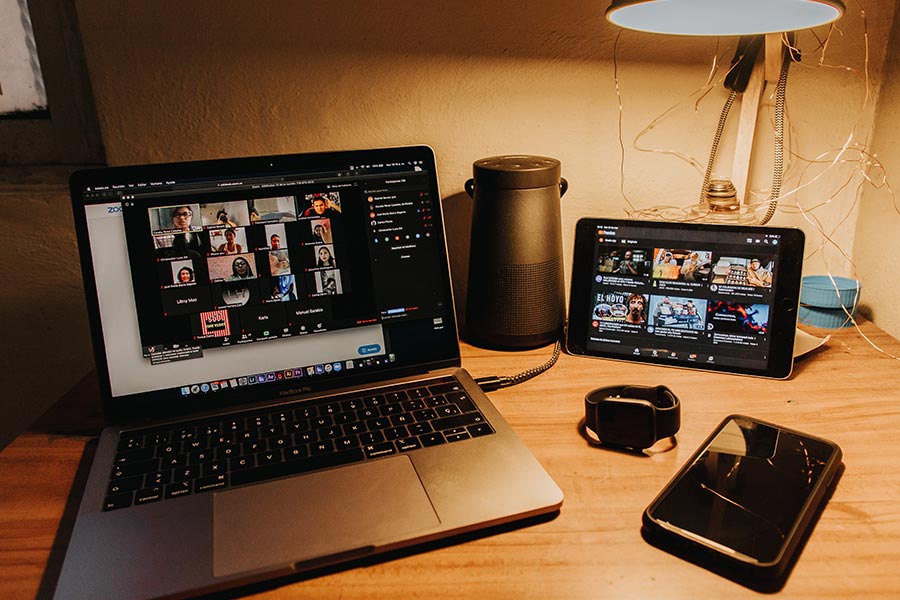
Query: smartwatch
[[632, 416]]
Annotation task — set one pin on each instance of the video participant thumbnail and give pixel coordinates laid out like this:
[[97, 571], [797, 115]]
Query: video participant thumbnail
[[232, 268], [279, 262], [229, 240], [233, 294], [212, 324], [739, 318], [221, 215], [174, 245], [678, 312], [273, 210], [168, 219], [183, 272], [326, 283], [321, 231], [275, 237], [282, 289], [325, 205]]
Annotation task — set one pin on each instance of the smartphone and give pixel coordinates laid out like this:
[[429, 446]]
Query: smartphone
[[743, 504]]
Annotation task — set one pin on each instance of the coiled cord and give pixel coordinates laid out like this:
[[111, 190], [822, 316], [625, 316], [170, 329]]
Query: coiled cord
[[723, 118], [778, 175], [489, 384]]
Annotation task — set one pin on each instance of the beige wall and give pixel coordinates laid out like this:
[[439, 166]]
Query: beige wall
[[200, 79], [877, 246], [180, 80]]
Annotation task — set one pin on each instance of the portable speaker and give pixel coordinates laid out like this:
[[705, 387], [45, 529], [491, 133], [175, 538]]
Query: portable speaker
[[516, 295]]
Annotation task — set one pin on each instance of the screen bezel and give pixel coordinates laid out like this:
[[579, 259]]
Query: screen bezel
[[783, 317], [155, 404]]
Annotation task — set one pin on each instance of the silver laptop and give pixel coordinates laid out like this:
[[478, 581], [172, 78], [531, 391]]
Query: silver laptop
[[277, 350]]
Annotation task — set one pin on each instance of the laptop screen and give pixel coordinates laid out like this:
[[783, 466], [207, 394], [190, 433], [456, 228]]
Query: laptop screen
[[251, 278]]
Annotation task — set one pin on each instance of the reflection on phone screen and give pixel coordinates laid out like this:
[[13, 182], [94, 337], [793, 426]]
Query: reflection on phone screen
[[747, 489]]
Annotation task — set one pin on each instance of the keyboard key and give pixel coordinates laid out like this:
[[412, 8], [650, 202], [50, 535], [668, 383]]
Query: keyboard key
[[195, 444], [407, 444], [393, 433], [126, 484], [155, 439], [457, 421], [135, 468], [425, 415], [374, 400], [420, 428], [114, 501], [147, 495], [322, 447], [268, 457], [433, 401], [396, 396], [402, 419], [208, 484], [214, 468], [480, 430], [130, 442], [168, 449], [200, 456], [377, 450], [411, 405], [133, 456], [376, 424], [346, 443], [431, 439], [443, 388], [457, 436], [179, 488], [243, 463], [185, 473], [171, 462], [296, 453], [447, 411], [462, 401], [226, 452], [158, 478], [371, 437]]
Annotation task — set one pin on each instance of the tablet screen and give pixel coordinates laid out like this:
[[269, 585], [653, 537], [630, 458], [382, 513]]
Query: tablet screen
[[714, 297]]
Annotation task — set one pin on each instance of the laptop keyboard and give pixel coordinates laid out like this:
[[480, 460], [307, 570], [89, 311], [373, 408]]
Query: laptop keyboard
[[200, 456]]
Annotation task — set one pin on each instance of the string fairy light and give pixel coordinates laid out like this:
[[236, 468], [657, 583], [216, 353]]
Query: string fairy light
[[864, 166]]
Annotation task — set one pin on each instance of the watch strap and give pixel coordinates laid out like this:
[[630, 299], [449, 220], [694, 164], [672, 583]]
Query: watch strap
[[667, 407]]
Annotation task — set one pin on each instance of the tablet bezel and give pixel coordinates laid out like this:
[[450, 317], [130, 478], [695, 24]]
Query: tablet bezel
[[782, 320]]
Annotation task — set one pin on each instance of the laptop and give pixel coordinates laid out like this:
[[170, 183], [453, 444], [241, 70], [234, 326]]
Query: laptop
[[278, 357]]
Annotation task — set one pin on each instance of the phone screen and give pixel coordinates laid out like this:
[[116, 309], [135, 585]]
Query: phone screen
[[746, 491]]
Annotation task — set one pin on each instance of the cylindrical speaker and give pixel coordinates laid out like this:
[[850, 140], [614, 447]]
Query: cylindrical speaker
[[516, 295]]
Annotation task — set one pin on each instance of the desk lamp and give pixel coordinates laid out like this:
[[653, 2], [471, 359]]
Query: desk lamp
[[759, 23]]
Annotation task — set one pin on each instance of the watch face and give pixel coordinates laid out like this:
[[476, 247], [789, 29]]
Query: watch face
[[626, 422]]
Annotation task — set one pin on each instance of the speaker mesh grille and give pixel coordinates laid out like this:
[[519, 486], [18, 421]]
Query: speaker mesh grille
[[526, 299]]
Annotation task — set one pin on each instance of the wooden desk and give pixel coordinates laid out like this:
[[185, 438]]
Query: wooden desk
[[846, 392]]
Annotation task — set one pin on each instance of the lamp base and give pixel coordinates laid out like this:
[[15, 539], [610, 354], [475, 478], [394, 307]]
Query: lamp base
[[733, 215]]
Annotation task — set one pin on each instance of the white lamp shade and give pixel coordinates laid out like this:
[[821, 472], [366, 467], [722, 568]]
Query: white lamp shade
[[722, 17]]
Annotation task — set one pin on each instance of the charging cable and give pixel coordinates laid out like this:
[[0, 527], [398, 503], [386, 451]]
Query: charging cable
[[495, 382]]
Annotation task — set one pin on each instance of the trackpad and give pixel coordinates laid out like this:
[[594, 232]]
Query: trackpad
[[319, 514]]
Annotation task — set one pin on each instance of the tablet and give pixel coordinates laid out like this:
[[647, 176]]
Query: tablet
[[713, 297]]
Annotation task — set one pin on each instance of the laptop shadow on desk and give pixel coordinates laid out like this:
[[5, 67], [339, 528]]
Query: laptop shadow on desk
[[47, 587]]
